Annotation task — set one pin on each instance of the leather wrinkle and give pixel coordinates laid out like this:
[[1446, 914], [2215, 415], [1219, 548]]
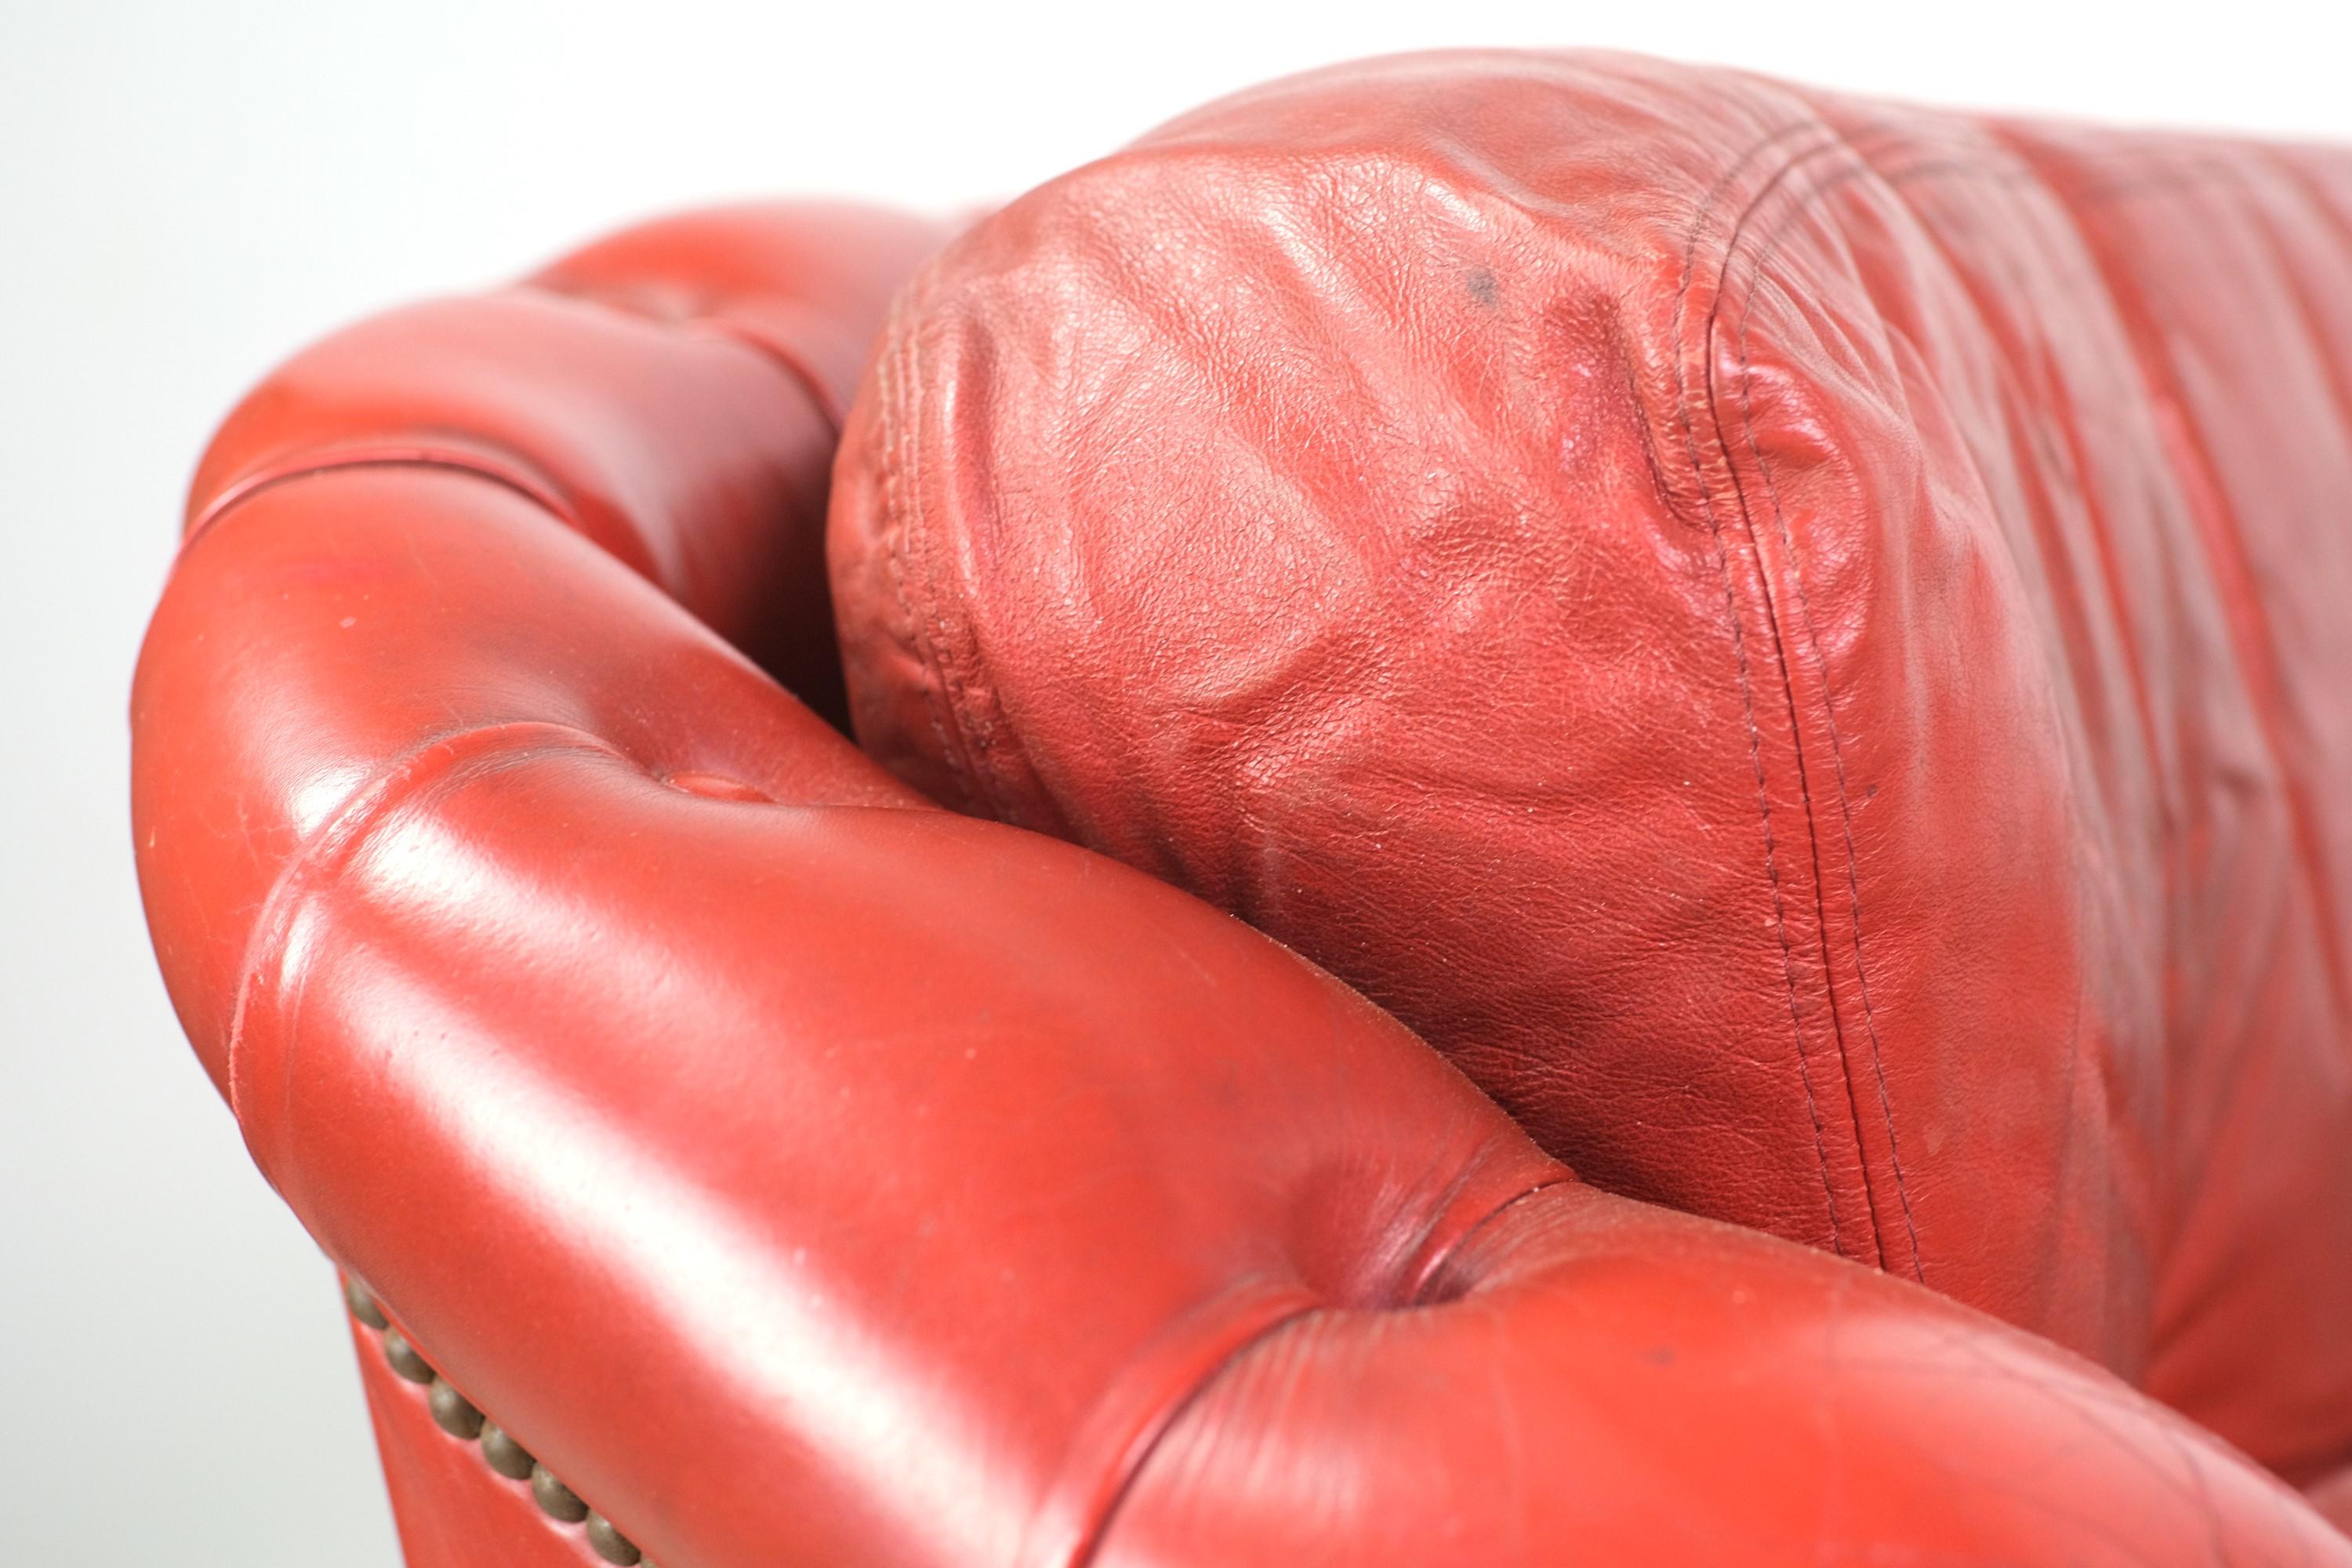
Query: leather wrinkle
[[438, 764], [2093, 1406], [1893, 183], [1426, 1291], [1731, 604], [1254, 1436], [966, 751], [2102, 533], [2248, 622], [901, 491], [2020, 175], [1789, 165], [2322, 896], [454, 460], [2216, 529], [1805, 620], [2136, 180], [1971, 168], [715, 325], [1420, 1296]]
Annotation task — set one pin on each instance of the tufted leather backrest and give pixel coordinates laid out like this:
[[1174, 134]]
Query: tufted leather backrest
[[1802, 643]]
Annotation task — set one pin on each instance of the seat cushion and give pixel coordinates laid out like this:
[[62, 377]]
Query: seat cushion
[[1800, 642]]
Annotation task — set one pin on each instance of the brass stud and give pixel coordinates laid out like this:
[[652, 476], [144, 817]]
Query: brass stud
[[556, 1499], [362, 1302], [504, 1454], [403, 1357], [453, 1411], [456, 1415], [610, 1543]]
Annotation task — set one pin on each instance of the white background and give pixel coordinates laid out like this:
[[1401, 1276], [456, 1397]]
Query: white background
[[188, 192]]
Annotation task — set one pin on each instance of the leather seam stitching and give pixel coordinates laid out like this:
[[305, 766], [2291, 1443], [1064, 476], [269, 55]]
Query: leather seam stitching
[[900, 487], [1827, 700], [1731, 601], [1833, 141], [1970, 168], [987, 758]]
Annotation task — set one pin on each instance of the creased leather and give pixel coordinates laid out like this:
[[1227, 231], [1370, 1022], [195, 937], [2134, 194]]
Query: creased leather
[[1797, 640], [805, 1172]]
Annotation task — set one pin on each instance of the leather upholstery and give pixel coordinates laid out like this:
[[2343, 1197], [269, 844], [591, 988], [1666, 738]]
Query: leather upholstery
[[805, 1172], [1800, 642]]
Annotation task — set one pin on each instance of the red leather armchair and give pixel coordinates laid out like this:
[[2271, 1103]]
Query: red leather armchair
[[1786, 658]]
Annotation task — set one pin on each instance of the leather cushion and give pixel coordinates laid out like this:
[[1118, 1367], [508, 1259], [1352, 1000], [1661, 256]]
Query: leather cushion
[[1717, 606]]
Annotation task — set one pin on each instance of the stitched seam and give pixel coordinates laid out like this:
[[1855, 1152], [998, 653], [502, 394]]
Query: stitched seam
[[1837, 751], [1765, 248], [900, 487], [1772, 621], [980, 751], [1969, 169], [954, 648], [1738, 633], [1770, 607]]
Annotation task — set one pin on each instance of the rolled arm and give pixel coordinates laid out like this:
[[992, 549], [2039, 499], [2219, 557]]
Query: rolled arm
[[808, 1174]]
